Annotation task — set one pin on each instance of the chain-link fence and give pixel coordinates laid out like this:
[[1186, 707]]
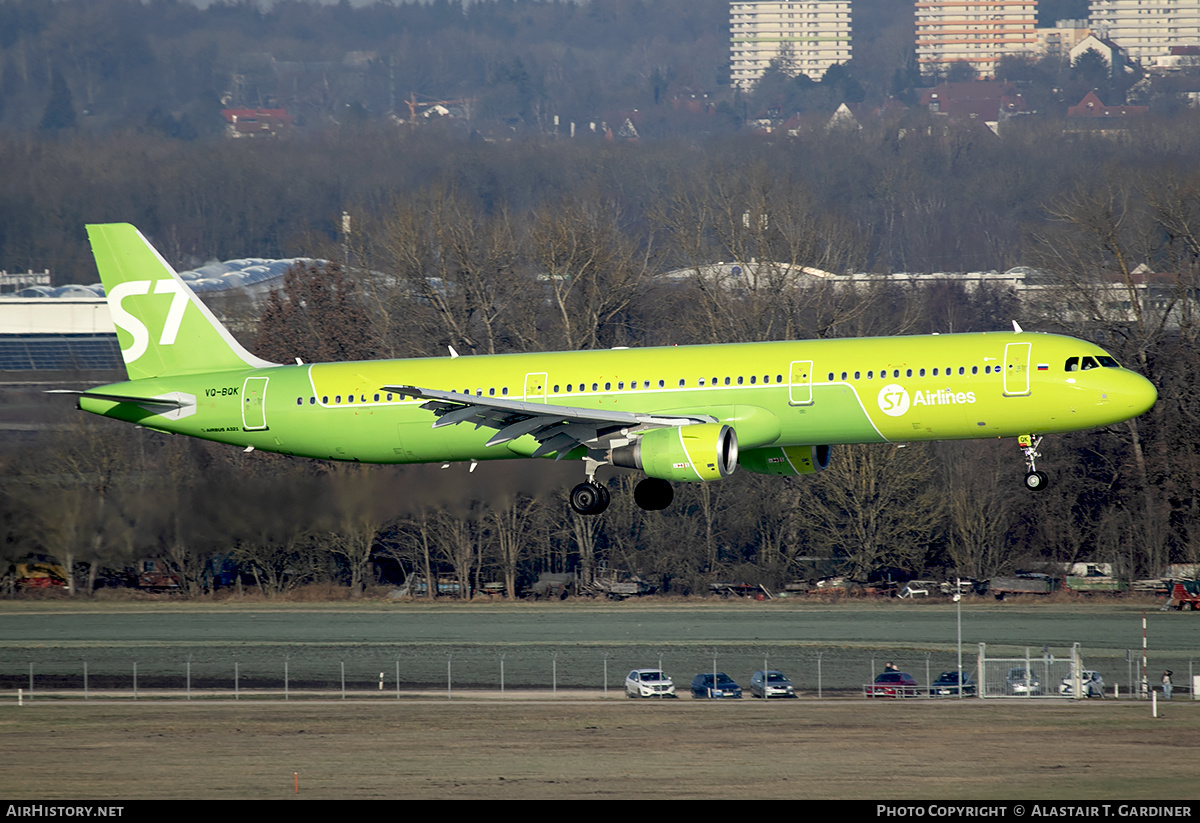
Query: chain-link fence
[[372, 670]]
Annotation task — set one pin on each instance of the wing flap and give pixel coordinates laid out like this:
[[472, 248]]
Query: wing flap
[[557, 429]]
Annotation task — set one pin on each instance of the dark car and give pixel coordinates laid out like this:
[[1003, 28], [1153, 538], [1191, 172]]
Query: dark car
[[947, 684], [703, 685], [892, 684]]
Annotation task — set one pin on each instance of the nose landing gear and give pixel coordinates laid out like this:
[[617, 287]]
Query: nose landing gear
[[1035, 480]]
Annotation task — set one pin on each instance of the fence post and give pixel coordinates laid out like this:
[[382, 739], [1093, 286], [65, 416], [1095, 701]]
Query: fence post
[[981, 667]]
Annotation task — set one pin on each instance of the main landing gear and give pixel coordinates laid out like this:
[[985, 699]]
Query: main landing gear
[[590, 497], [1034, 480], [651, 494]]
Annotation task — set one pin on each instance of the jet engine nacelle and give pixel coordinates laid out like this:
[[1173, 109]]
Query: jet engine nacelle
[[694, 453], [785, 461]]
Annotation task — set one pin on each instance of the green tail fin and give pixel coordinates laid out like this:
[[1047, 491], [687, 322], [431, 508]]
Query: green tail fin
[[162, 327]]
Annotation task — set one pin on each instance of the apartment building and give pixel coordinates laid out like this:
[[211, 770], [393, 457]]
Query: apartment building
[[811, 36], [1147, 29], [979, 33]]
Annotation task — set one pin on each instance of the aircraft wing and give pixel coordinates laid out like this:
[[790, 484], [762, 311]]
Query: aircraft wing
[[556, 428]]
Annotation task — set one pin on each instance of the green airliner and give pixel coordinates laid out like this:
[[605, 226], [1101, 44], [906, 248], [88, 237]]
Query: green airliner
[[685, 413]]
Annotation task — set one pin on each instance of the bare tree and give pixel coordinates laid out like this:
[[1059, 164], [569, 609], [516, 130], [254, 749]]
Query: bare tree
[[874, 506]]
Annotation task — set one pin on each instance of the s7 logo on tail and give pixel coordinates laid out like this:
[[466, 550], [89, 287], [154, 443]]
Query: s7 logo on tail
[[135, 327]]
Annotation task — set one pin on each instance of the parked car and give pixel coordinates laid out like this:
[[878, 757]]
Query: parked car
[[892, 684], [771, 684], [648, 683], [947, 684], [716, 686], [1020, 681], [1091, 683]]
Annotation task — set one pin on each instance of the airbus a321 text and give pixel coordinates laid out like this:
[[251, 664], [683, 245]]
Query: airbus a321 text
[[678, 414]]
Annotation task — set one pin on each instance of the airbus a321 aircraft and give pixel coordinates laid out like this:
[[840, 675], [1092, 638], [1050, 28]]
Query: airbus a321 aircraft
[[679, 414]]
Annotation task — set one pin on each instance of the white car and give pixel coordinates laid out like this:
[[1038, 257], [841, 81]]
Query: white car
[[648, 683], [1091, 684]]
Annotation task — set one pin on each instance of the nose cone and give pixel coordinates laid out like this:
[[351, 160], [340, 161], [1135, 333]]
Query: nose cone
[[1138, 393]]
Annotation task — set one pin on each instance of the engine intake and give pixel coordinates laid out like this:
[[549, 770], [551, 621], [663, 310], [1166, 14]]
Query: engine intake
[[696, 453]]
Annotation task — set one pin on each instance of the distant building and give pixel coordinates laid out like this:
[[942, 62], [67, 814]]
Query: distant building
[[1059, 39], [978, 33], [1112, 52], [256, 122], [989, 102], [1147, 29], [1090, 106], [811, 35]]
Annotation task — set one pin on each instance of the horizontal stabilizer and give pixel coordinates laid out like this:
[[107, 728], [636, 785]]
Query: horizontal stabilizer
[[166, 403]]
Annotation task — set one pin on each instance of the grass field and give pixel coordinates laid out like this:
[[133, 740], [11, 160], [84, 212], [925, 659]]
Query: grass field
[[575, 744], [579, 749]]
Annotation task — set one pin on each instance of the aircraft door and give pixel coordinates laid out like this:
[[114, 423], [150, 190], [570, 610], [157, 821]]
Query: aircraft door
[[800, 383], [535, 387], [254, 404], [1016, 369]]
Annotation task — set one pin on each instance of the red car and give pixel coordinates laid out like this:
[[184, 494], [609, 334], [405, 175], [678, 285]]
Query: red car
[[892, 684]]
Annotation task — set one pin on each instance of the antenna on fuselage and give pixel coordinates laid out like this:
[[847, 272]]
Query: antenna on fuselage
[[1017, 327]]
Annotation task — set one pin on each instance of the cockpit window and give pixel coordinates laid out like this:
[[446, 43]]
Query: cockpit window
[[1086, 363]]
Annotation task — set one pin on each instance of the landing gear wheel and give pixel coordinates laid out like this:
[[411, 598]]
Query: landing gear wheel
[[653, 494], [1036, 481], [589, 498]]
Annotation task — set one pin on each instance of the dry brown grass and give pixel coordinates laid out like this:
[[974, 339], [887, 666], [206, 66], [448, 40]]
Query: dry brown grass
[[615, 748]]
